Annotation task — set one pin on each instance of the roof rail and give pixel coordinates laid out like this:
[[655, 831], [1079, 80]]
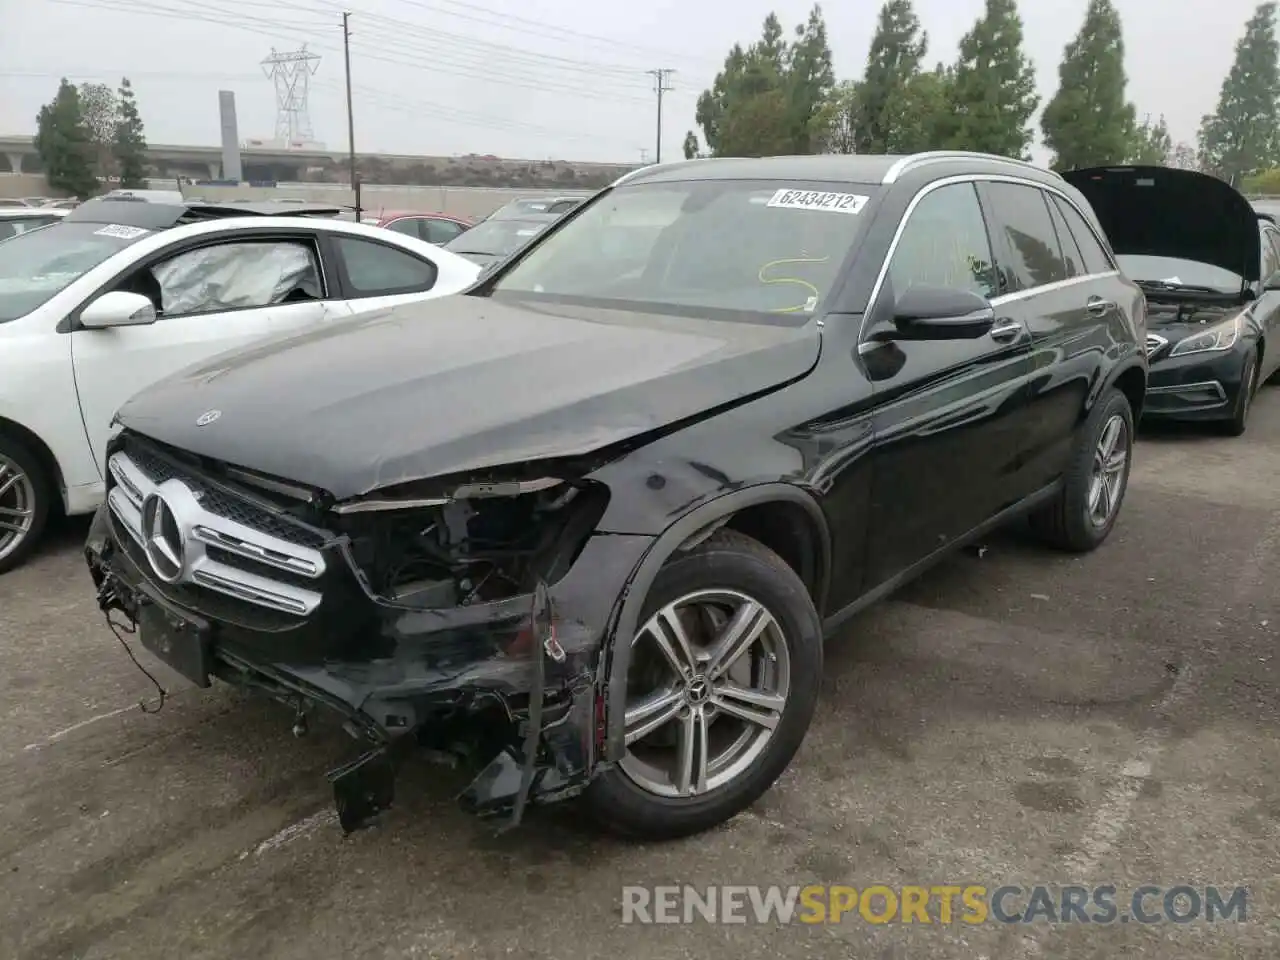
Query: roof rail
[[630, 174], [903, 164]]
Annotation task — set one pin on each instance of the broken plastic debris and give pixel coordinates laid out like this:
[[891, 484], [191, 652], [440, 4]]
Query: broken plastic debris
[[1039, 596]]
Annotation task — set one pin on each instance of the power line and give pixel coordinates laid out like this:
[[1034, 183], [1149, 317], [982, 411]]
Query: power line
[[484, 70], [661, 84], [351, 114]]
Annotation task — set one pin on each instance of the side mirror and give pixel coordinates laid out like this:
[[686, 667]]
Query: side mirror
[[118, 309], [942, 313]]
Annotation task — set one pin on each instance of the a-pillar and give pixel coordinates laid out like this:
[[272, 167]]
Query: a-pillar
[[15, 162]]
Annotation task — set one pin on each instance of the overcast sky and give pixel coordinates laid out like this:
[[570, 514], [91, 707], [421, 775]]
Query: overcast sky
[[558, 79]]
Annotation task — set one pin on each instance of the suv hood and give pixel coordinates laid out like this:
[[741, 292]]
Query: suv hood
[[1162, 212], [459, 384]]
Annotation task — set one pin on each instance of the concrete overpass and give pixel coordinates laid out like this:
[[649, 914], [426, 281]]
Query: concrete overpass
[[18, 155]]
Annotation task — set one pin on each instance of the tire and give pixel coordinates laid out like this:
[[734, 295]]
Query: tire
[[26, 488], [624, 799], [1239, 422], [1069, 521]]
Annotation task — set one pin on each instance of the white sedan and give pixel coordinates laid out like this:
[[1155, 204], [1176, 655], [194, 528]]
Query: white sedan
[[119, 294]]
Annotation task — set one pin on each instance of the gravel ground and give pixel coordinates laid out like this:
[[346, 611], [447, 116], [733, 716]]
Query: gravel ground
[[1015, 718]]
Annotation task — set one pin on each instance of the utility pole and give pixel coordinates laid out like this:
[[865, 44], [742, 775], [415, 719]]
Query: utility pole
[[351, 118], [661, 83]]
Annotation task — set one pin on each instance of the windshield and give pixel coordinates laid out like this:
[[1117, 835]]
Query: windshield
[[744, 247], [496, 237], [1179, 273], [38, 264]]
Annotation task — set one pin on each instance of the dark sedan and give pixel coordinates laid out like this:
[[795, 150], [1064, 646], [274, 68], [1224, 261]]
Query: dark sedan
[[1210, 267], [493, 240]]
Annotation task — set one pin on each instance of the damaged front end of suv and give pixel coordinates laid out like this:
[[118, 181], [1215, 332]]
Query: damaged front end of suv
[[464, 618]]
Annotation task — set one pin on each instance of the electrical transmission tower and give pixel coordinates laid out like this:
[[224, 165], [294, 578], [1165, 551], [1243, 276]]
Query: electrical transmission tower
[[291, 73]]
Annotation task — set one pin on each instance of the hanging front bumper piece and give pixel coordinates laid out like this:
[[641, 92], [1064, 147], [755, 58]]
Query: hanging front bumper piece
[[511, 686]]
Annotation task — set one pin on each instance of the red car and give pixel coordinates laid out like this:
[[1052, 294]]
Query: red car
[[437, 228]]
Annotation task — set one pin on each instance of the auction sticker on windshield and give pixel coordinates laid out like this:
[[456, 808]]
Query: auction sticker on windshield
[[818, 200], [121, 232]]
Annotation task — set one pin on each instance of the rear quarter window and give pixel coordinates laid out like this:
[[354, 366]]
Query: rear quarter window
[[1094, 256]]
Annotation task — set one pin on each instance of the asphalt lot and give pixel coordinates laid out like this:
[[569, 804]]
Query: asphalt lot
[[1018, 717]]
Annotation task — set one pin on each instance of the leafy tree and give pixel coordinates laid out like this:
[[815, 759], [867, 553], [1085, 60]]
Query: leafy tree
[[130, 142], [1089, 122], [1151, 145], [837, 120], [65, 144], [809, 81], [923, 108], [897, 48], [691, 146], [1183, 156], [1243, 134], [99, 107], [768, 99], [993, 92]]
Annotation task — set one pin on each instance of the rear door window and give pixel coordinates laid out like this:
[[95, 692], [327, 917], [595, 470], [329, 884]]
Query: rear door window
[[1033, 253], [439, 231], [1092, 253], [1070, 251]]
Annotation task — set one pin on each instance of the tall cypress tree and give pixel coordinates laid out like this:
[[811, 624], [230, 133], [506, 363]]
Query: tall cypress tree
[[1243, 134], [65, 144], [130, 142], [897, 48], [1089, 122], [993, 89]]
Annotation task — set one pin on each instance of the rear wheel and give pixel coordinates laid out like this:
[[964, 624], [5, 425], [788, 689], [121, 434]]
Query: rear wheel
[[24, 502], [721, 687], [1079, 518]]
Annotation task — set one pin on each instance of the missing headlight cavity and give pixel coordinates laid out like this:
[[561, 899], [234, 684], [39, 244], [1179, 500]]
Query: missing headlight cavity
[[474, 550]]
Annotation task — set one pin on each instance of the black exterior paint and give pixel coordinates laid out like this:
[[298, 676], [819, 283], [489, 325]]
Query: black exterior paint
[[874, 460]]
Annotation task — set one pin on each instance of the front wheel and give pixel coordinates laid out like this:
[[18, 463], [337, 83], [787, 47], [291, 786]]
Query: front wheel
[[721, 688], [1079, 518], [1239, 422], [24, 502]]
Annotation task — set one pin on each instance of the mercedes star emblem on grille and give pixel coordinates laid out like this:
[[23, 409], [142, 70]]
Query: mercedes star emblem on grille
[[162, 538]]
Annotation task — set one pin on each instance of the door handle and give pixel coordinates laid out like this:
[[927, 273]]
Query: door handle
[[1006, 329], [1098, 307]]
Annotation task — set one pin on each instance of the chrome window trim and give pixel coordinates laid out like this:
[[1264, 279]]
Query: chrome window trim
[[980, 178]]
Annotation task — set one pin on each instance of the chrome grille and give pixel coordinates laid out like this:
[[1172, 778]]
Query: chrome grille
[[220, 541], [1154, 343]]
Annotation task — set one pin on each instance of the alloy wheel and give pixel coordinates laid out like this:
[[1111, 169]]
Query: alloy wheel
[[1110, 464], [708, 683], [17, 506]]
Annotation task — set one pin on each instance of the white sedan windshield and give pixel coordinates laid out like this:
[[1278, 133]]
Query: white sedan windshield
[[38, 264], [731, 246]]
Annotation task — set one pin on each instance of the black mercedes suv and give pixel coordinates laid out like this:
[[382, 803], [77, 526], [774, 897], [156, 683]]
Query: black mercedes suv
[[588, 523]]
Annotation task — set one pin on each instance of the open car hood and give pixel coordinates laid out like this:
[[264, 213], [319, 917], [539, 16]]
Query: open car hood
[[1162, 212]]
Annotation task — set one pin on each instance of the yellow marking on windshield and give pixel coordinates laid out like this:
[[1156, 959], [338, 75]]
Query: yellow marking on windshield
[[815, 293]]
